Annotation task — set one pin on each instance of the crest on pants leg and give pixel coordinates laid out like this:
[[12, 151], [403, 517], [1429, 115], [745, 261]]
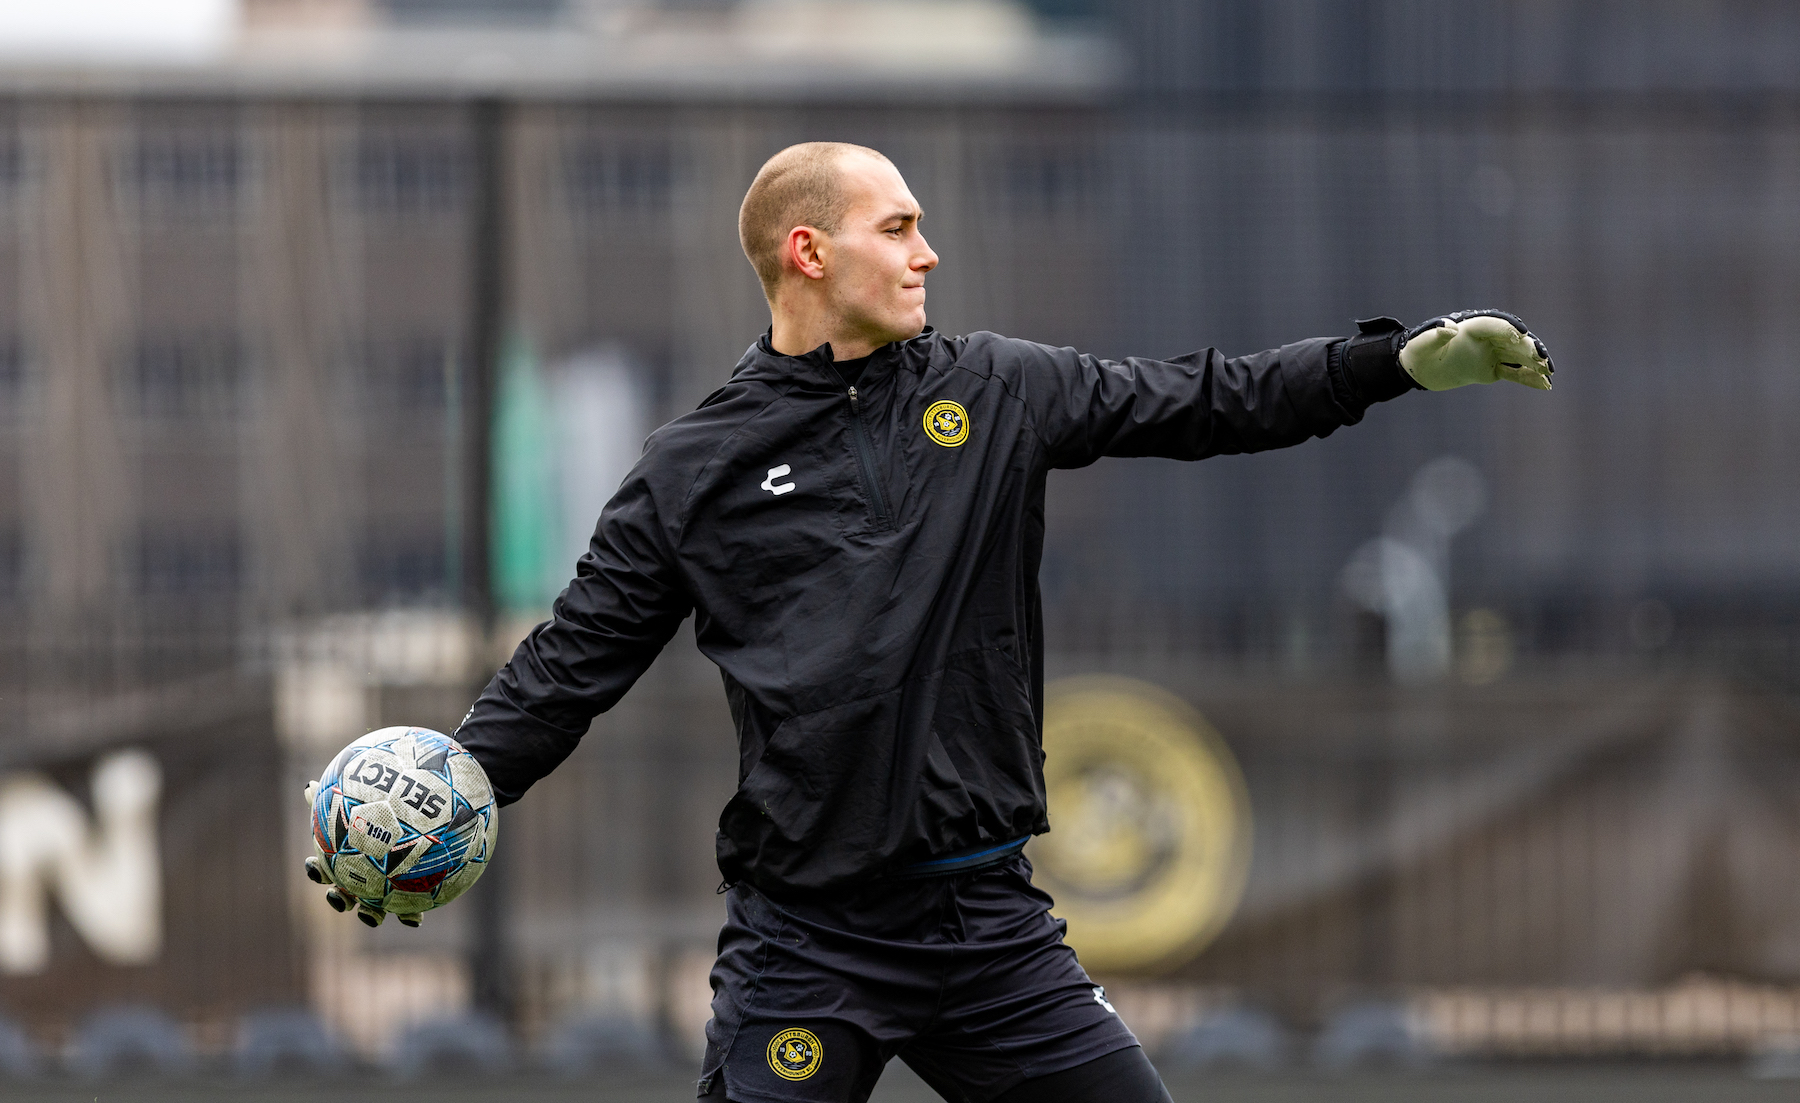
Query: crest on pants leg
[[795, 1054]]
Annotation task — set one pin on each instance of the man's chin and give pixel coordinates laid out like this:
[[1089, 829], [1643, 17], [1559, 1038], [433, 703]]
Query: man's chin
[[897, 330], [911, 329]]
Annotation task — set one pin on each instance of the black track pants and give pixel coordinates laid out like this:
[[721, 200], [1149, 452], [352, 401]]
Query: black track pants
[[964, 977], [1123, 1076]]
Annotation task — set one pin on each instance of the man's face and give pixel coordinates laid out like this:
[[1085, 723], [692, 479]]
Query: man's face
[[876, 262]]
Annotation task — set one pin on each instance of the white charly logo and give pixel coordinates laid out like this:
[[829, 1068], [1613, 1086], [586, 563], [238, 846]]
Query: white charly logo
[[769, 484], [1100, 998]]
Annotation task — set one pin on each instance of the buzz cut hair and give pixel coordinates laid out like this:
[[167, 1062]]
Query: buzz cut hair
[[800, 186]]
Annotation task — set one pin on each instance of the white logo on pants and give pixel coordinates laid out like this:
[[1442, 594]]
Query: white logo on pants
[[1100, 998]]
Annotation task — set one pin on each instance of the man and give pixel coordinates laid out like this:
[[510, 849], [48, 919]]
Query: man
[[856, 520]]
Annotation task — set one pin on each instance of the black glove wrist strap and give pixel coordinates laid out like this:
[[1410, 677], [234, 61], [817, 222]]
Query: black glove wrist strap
[[1372, 360]]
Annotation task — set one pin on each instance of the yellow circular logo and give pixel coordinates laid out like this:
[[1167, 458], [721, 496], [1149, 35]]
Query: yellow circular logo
[[947, 423], [1150, 823], [795, 1054]]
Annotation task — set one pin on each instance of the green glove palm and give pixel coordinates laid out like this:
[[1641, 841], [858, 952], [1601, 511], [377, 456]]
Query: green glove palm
[[1475, 346]]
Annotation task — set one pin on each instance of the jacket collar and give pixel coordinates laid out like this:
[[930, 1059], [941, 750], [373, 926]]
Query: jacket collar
[[815, 370]]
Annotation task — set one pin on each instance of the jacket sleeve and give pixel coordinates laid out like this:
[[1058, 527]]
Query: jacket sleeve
[[624, 604], [1195, 406]]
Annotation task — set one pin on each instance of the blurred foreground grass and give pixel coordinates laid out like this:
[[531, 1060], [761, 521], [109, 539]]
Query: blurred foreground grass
[[1644, 1083]]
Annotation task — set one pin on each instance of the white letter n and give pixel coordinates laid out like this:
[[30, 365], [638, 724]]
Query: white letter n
[[107, 876]]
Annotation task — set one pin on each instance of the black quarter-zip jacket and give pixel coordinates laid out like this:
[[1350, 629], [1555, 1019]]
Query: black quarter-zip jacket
[[862, 562]]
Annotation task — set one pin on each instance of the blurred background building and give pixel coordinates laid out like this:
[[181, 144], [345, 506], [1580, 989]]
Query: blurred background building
[[326, 326]]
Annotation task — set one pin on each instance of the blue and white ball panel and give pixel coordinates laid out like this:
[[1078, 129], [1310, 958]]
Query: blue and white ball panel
[[335, 771], [356, 874], [373, 828], [469, 780]]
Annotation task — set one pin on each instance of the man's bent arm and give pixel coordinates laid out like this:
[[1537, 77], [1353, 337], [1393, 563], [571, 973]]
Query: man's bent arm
[[1203, 404], [623, 605]]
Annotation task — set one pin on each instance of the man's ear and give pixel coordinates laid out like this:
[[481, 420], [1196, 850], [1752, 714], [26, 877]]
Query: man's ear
[[806, 249]]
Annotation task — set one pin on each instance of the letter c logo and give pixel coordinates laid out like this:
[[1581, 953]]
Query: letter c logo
[[778, 489]]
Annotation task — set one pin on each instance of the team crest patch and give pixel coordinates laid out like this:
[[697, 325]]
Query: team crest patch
[[795, 1054], [947, 423]]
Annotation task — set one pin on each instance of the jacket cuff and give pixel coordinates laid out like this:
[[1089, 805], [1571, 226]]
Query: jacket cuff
[[1370, 361]]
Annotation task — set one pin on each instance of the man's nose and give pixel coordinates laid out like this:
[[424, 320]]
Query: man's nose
[[925, 260]]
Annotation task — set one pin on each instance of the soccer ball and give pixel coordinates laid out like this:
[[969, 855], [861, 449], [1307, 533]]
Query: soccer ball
[[404, 820]]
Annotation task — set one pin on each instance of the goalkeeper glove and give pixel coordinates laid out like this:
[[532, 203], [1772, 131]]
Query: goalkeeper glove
[[340, 899], [1474, 346]]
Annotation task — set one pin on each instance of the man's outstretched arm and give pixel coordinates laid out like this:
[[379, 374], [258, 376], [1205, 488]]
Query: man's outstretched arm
[[1207, 404], [606, 628]]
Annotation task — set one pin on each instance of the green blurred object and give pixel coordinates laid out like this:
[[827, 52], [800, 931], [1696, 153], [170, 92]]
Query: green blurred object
[[522, 534]]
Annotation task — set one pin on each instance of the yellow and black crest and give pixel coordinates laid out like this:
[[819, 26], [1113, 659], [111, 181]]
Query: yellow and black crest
[[947, 423], [795, 1054]]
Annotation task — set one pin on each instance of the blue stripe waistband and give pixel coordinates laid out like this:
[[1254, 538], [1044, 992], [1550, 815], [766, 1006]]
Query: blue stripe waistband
[[968, 859]]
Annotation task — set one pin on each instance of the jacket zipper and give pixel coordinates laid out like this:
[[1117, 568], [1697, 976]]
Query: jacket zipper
[[865, 453]]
